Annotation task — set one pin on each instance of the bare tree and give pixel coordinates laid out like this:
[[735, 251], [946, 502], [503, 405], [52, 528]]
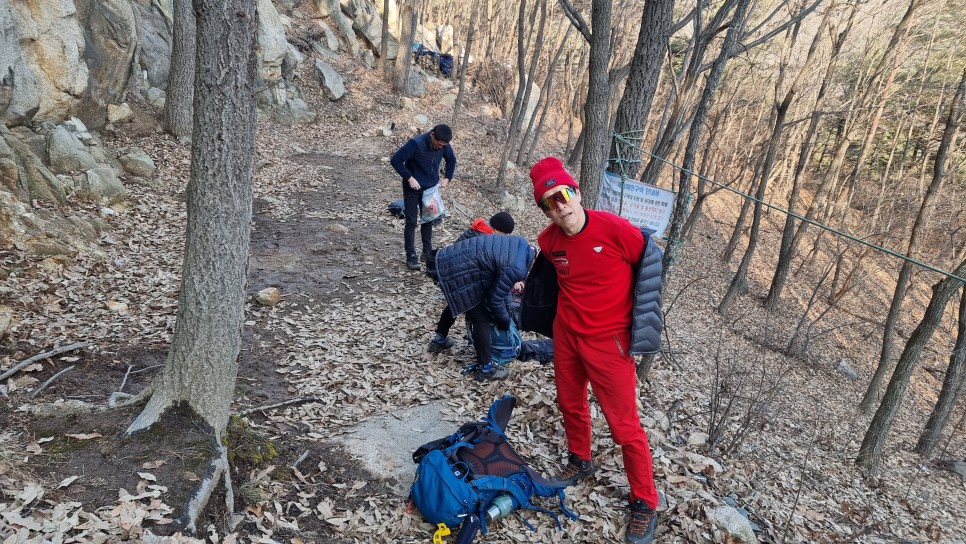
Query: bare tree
[[787, 248], [202, 364], [598, 99], [642, 80], [735, 29], [952, 389], [404, 60], [177, 114], [384, 42], [464, 65], [932, 192], [781, 109], [873, 444]]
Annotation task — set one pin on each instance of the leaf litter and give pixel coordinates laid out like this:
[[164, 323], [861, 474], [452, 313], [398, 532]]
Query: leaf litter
[[350, 328]]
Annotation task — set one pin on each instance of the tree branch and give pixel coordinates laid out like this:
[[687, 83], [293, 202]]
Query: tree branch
[[42, 356], [50, 381], [279, 405], [576, 19]]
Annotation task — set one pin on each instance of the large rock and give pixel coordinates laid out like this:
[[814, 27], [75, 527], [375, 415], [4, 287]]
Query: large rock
[[344, 26], [40, 231], [332, 83], [444, 36], [154, 40], [331, 40], [67, 153], [51, 44], [20, 91], [416, 84], [110, 29], [101, 184], [278, 59], [736, 527], [136, 162], [368, 23]]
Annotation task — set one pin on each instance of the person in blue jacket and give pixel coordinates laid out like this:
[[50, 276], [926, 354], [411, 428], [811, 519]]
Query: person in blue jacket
[[418, 161], [477, 276]]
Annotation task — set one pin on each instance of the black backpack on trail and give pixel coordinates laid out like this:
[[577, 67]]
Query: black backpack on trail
[[474, 476]]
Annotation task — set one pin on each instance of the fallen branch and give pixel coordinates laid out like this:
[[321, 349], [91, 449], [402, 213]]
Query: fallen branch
[[50, 381], [279, 405], [124, 381], [42, 356], [299, 460]]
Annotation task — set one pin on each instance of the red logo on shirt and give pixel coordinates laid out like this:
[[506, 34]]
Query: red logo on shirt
[[562, 265]]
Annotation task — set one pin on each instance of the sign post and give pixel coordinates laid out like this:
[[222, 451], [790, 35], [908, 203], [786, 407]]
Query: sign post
[[642, 204]]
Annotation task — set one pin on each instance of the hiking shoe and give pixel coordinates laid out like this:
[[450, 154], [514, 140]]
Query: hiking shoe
[[576, 469], [412, 262], [438, 344], [491, 372], [641, 524]]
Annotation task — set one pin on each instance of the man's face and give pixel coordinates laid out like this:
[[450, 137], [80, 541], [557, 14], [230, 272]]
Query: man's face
[[436, 144], [562, 205]]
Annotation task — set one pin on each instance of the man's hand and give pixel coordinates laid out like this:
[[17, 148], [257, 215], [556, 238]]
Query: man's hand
[[413, 184], [443, 182]]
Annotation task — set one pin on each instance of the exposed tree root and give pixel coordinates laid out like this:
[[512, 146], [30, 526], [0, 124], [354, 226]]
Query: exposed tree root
[[279, 405], [199, 499]]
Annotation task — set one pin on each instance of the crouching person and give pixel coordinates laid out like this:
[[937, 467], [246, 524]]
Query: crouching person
[[477, 276]]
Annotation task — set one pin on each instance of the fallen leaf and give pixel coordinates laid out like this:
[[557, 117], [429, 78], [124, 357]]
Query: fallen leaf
[[85, 436], [67, 481]]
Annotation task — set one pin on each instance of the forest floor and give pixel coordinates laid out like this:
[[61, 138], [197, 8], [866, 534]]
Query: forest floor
[[351, 330]]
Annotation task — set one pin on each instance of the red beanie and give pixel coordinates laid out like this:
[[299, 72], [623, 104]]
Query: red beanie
[[547, 174]]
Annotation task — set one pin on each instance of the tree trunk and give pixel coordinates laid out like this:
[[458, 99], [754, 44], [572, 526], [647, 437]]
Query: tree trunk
[[523, 87], [384, 42], [404, 60], [781, 109], [533, 135], [735, 29], [464, 66], [645, 71], [202, 363], [932, 192], [177, 114], [787, 247], [873, 445], [595, 108], [951, 391]]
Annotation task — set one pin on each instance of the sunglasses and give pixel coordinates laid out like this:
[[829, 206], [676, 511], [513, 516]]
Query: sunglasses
[[561, 197]]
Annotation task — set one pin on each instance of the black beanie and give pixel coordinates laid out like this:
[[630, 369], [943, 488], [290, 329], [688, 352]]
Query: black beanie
[[443, 133], [503, 222]]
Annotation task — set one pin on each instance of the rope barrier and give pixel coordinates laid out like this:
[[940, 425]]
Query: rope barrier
[[621, 138]]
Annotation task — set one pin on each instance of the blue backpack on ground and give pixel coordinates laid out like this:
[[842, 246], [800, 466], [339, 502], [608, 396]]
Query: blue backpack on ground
[[474, 476]]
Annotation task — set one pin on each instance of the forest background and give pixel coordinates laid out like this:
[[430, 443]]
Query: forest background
[[846, 114]]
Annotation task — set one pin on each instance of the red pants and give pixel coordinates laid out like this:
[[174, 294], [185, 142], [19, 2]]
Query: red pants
[[604, 363]]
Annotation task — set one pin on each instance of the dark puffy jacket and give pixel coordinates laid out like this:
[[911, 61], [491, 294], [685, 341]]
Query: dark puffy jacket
[[647, 318], [539, 306], [482, 270]]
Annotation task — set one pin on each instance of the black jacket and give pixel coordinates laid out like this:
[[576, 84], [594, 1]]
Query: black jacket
[[539, 306]]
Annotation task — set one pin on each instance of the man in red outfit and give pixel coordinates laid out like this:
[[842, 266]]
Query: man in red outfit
[[595, 254]]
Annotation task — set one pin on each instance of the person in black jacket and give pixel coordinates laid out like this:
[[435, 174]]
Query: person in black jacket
[[418, 161], [477, 276]]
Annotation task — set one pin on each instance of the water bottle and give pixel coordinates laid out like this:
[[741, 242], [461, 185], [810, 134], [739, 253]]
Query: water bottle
[[501, 506]]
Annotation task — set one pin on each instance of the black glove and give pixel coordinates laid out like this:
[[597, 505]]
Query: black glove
[[503, 326]]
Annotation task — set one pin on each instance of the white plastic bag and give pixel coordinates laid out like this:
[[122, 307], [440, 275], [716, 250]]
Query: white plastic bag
[[432, 208]]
